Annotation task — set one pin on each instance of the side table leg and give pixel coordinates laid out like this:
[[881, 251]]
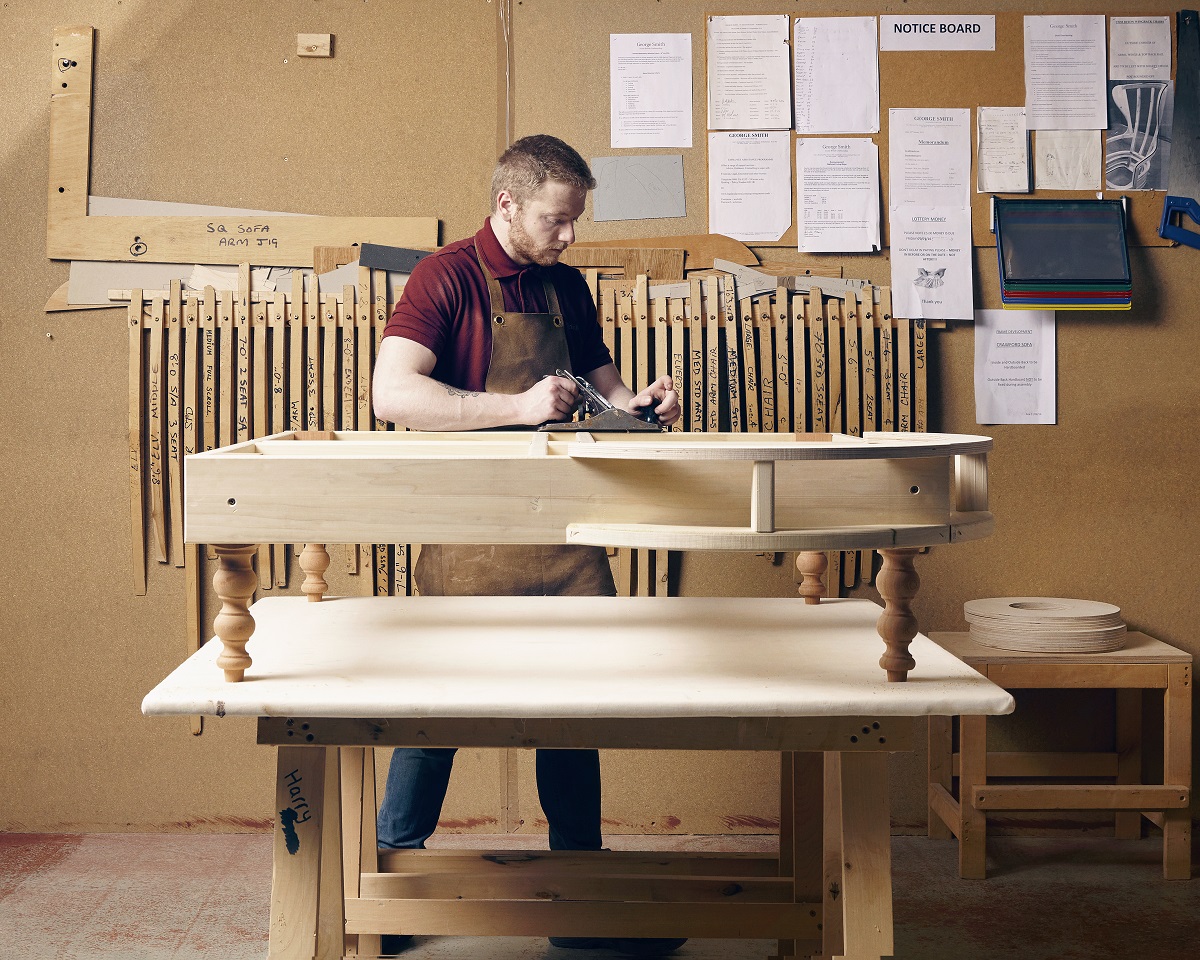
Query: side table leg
[[1128, 823], [234, 583], [897, 583], [314, 561], [1177, 770], [811, 566]]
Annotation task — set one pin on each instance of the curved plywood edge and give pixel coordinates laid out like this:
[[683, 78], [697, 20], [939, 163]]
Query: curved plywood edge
[[759, 447], [673, 537]]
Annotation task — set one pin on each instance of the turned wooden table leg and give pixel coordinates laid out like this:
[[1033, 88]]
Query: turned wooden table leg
[[897, 584], [314, 561], [234, 582], [812, 565]]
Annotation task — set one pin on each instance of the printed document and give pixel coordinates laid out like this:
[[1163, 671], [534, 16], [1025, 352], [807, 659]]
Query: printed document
[[930, 157], [837, 74], [1065, 72], [650, 95], [1014, 366], [931, 262], [749, 83], [750, 184], [1139, 48], [837, 195]]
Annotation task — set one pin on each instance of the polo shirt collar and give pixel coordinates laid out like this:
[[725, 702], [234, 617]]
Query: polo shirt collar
[[499, 263]]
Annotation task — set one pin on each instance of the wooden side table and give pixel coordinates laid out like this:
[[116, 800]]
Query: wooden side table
[[1143, 664]]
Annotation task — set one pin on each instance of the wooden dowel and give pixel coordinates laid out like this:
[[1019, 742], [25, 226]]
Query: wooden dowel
[[137, 521]]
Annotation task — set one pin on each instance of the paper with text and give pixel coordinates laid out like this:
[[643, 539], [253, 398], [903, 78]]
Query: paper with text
[[749, 83], [650, 95], [836, 74], [750, 184], [1015, 367], [837, 195]]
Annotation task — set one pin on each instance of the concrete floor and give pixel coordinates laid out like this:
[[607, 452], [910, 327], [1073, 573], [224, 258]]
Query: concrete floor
[[155, 896]]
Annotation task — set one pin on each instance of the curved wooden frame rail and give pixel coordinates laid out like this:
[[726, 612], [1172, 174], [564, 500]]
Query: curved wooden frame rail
[[895, 493]]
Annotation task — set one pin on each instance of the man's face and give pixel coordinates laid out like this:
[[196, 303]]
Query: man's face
[[544, 225]]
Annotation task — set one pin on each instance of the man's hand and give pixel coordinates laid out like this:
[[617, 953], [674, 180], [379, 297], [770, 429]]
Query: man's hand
[[660, 396], [551, 399]]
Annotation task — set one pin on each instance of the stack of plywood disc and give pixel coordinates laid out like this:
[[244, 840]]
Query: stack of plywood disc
[[1046, 624]]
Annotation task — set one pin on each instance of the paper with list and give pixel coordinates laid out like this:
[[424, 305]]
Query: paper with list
[[1065, 72], [749, 84], [650, 95], [750, 184], [1003, 152], [837, 195], [836, 74], [1015, 373]]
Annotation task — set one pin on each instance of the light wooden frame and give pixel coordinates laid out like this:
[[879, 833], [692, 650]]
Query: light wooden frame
[[265, 240]]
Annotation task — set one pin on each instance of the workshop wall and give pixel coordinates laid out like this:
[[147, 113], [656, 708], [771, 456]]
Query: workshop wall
[[208, 103]]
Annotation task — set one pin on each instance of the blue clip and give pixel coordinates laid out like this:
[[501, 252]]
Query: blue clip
[[1177, 232]]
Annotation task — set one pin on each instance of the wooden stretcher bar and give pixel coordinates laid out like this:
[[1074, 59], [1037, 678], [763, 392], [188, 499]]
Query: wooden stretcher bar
[[749, 363], [712, 377], [814, 308], [137, 521], [173, 401], [694, 410], [157, 448]]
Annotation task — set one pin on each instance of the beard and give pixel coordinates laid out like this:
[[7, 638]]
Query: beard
[[544, 255]]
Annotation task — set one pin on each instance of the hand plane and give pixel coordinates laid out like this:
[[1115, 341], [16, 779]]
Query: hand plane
[[600, 416]]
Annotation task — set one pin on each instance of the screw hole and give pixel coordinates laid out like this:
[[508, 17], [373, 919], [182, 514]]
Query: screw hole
[[854, 739], [914, 489], [232, 502]]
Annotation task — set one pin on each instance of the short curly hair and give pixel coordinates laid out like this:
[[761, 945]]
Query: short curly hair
[[531, 161]]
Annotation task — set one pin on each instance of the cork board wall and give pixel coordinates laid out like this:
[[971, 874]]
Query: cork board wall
[[209, 103]]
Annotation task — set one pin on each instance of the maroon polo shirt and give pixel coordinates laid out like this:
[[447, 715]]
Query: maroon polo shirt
[[445, 307]]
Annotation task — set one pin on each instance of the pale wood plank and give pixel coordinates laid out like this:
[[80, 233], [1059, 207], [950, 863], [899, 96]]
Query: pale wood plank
[[866, 856], [1177, 768], [733, 377], [887, 362], [312, 355], [296, 852], [174, 408], [330, 308], [781, 317], [155, 395], [712, 377], [276, 323], [920, 376], [137, 521], [749, 362], [814, 313], [693, 418], [904, 418]]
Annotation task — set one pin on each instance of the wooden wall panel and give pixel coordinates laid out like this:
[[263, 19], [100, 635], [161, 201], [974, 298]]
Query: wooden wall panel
[[208, 103]]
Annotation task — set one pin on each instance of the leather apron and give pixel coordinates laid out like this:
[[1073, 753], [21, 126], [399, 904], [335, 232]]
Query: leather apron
[[525, 347]]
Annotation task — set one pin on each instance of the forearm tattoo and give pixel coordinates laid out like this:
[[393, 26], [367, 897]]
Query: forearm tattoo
[[456, 392]]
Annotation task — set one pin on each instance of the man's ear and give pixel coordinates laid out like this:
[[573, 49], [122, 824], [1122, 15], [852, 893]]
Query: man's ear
[[506, 205]]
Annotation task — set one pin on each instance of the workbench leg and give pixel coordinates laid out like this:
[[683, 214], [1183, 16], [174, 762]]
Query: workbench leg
[[1128, 823], [1177, 770], [301, 794], [234, 582], [800, 836], [897, 583], [940, 768], [360, 852], [972, 761], [331, 904], [831, 859], [314, 561], [866, 857]]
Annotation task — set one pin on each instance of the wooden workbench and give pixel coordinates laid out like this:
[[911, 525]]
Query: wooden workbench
[[334, 679]]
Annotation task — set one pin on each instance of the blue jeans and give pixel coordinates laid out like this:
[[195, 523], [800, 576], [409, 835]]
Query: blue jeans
[[568, 783]]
